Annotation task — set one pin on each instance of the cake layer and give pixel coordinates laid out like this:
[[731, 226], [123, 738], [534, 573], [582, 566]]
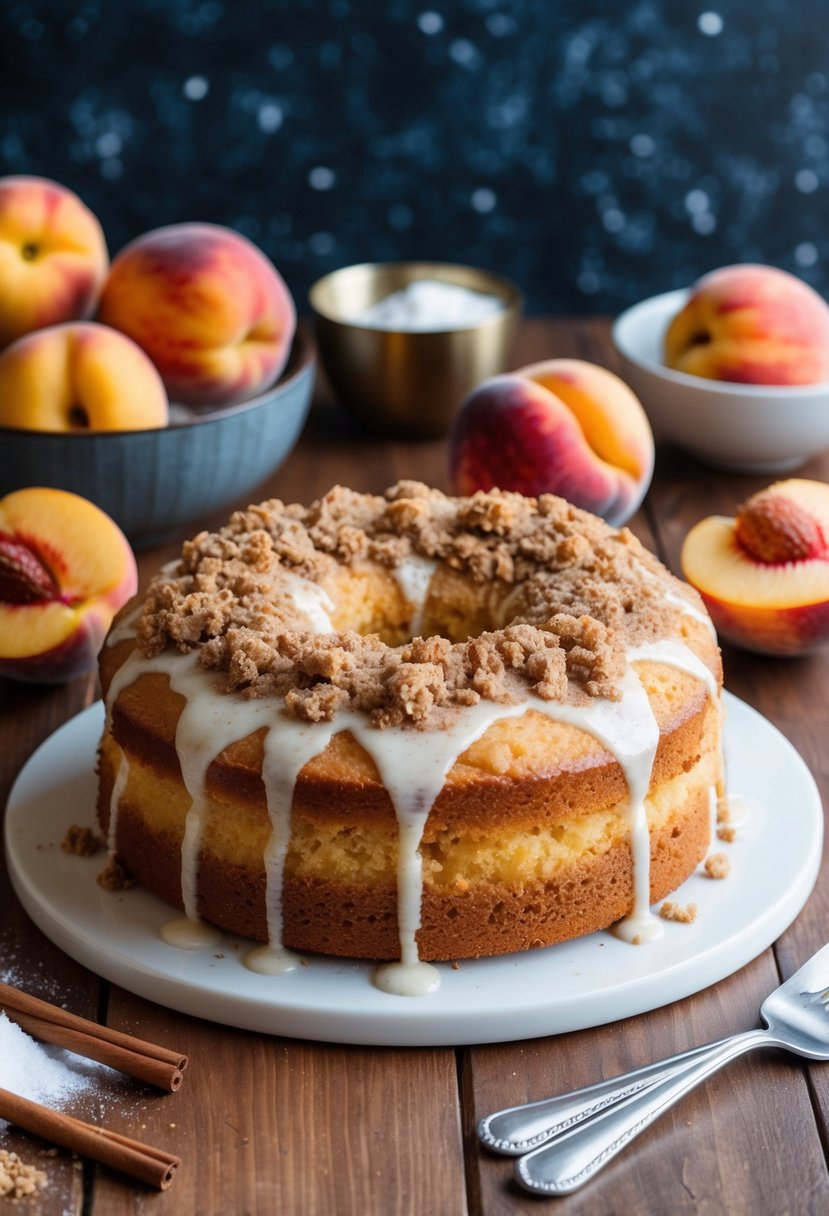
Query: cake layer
[[485, 892], [522, 771]]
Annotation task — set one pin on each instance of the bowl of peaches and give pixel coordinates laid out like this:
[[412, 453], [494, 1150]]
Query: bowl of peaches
[[188, 388], [734, 369]]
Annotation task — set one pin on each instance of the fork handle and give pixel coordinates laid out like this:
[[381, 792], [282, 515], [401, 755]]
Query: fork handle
[[574, 1157], [517, 1129]]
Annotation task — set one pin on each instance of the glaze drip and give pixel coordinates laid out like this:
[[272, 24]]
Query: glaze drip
[[219, 625], [412, 765], [414, 574]]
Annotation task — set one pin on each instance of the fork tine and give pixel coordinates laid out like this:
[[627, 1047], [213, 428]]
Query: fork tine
[[813, 976]]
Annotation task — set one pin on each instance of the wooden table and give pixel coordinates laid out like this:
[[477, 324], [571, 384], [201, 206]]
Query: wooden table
[[268, 1125]]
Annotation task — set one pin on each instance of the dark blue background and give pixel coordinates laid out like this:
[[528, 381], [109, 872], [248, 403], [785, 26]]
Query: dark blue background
[[596, 152]]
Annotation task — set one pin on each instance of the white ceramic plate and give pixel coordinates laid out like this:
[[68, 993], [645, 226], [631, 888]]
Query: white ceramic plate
[[774, 863]]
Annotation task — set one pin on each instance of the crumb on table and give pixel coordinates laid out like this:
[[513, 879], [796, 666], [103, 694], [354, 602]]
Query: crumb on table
[[18, 1178]]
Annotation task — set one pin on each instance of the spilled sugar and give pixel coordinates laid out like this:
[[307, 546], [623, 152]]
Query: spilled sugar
[[48, 1075], [45, 1074], [27, 973]]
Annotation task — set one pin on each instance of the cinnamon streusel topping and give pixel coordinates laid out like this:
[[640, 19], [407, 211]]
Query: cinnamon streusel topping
[[570, 586]]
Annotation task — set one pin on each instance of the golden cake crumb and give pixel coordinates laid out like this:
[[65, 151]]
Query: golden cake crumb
[[81, 841], [18, 1179], [683, 914], [573, 584], [717, 865], [115, 877], [726, 832]]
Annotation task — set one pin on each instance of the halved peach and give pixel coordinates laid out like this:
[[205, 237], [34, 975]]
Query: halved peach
[[65, 570], [764, 576]]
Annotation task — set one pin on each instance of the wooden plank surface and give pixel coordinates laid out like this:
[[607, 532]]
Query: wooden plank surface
[[267, 1124]]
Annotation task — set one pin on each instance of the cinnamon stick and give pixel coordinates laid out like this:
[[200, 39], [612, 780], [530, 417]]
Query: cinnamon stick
[[145, 1061], [141, 1161]]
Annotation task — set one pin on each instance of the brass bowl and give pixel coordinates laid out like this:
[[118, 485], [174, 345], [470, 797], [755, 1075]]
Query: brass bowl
[[408, 383]]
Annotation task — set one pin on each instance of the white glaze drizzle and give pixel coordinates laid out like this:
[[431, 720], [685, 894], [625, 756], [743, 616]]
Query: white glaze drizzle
[[310, 599], [676, 654], [679, 655], [413, 766], [271, 960], [689, 609], [289, 745], [118, 787], [406, 979], [187, 934], [414, 575], [678, 600], [124, 630], [209, 723]]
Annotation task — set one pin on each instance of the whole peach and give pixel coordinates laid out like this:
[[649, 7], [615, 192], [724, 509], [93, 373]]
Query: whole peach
[[563, 427], [80, 377], [752, 325], [65, 570], [53, 256], [764, 575], [211, 311]]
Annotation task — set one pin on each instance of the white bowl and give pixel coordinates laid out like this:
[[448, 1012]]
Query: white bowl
[[751, 428]]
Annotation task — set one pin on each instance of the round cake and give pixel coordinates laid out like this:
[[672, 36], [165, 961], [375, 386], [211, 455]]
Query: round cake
[[407, 726]]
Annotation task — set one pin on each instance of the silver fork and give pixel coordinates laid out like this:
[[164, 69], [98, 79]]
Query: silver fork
[[586, 1129]]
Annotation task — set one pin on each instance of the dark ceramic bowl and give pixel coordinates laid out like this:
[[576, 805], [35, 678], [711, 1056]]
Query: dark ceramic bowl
[[153, 483]]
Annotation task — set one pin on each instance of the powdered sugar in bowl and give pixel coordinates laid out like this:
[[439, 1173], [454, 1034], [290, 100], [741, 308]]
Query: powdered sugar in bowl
[[404, 342]]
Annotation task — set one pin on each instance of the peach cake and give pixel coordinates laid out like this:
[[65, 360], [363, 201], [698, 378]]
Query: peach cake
[[412, 727]]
